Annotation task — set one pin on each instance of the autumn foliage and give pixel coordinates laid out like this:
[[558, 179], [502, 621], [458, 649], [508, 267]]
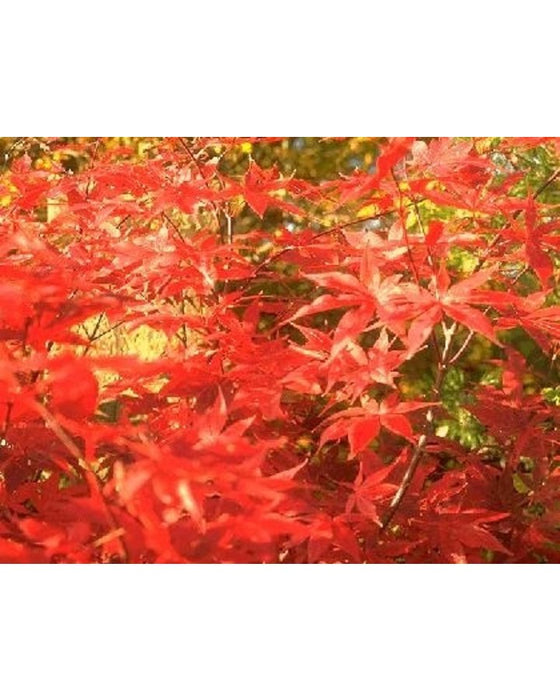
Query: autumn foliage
[[350, 367]]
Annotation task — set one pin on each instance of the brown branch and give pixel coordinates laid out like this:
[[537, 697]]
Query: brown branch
[[418, 453], [174, 226], [197, 165], [548, 182], [362, 220], [87, 469], [7, 421], [93, 337], [405, 481]]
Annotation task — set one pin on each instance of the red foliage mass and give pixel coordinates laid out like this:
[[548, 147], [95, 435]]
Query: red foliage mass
[[279, 424]]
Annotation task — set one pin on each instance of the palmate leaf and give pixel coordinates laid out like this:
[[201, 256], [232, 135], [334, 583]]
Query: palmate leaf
[[362, 425], [368, 492], [459, 532]]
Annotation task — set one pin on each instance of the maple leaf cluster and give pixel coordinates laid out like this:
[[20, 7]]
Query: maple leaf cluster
[[361, 368]]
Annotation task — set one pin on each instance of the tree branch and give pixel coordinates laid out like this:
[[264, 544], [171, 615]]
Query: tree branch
[[449, 334]]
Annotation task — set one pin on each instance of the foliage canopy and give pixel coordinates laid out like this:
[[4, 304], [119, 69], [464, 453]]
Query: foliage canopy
[[279, 350]]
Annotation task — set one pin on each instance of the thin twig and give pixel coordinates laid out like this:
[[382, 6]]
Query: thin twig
[[433, 336], [448, 333], [87, 470], [7, 420], [93, 337], [405, 481], [197, 165], [174, 226], [361, 220], [548, 182]]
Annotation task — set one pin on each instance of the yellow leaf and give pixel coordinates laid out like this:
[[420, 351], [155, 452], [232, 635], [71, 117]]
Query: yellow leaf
[[368, 210], [519, 485]]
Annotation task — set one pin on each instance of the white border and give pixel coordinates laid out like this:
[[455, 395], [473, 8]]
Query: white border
[[301, 68], [278, 631]]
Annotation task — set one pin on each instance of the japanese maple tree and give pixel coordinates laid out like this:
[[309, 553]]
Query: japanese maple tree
[[211, 353]]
